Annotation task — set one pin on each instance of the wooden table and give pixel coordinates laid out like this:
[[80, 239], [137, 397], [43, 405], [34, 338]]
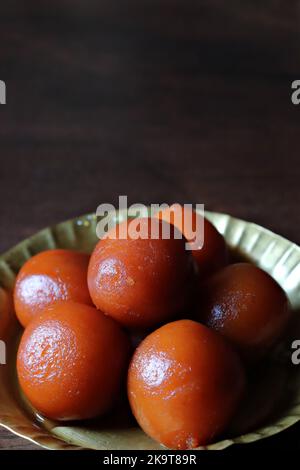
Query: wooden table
[[161, 100]]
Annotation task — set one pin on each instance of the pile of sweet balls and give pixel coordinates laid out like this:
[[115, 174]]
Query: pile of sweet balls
[[177, 328]]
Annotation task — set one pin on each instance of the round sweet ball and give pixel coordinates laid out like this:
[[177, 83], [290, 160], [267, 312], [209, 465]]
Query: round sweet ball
[[247, 306], [141, 281], [185, 383], [7, 316], [50, 276], [72, 361]]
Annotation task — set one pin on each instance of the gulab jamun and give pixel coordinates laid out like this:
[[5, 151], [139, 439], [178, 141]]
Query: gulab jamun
[[184, 384], [212, 255], [50, 276], [71, 361], [6, 311], [141, 282], [247, 306]]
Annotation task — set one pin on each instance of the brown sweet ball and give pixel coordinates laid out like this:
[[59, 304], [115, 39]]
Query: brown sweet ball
[[71, 361], [7, 316], [247, 306], [140, 282], [213, 254], [184, 384], [50, 276]]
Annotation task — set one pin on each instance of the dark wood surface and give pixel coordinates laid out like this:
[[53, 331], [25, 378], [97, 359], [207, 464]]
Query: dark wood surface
[[169, 100]]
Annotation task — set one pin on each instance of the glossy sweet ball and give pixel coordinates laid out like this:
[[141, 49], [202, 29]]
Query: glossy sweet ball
[[7, 316], [71, 361], [140, 282], [184, 384], [213, 254], [50, 276], [247, 306]]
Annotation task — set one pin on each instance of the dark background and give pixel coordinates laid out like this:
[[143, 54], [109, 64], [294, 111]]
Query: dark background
[[165, 101]]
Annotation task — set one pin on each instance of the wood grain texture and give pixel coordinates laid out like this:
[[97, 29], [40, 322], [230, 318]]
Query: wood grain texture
[[162, 100]]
